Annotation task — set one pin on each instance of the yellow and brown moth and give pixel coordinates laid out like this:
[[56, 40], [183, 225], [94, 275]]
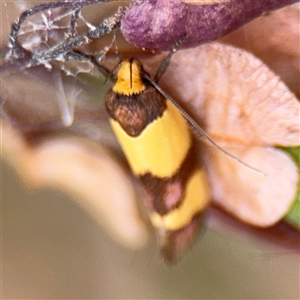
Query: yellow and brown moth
[[160, 148]]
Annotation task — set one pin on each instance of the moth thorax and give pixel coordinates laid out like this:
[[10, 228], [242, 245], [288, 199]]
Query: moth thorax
[[129, 81]]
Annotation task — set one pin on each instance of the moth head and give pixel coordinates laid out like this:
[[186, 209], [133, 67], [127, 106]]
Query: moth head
[[128, 75]]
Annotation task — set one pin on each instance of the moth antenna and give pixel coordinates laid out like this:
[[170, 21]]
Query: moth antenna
[[195, 125]]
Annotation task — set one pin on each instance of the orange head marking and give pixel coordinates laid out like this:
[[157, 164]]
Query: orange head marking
[[128, 79]]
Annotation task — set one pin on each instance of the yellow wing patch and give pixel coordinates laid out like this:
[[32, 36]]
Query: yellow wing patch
[[161, 148], [196, 198]]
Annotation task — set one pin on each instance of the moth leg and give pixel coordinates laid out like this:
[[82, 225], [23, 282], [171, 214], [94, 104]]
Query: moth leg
[[166, 62]]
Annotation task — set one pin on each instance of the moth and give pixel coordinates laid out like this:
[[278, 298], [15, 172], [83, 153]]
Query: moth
[[161, 150]]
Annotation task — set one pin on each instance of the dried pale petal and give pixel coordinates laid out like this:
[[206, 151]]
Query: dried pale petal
[[237, 98], [87, 172], [260, 199], [274, 38]]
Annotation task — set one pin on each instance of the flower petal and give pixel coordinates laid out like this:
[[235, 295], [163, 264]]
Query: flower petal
[[260, 199], [273, 39], [234, 95], [86, 171]]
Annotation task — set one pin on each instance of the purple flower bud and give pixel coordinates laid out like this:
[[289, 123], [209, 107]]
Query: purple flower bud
[[159, 24]]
